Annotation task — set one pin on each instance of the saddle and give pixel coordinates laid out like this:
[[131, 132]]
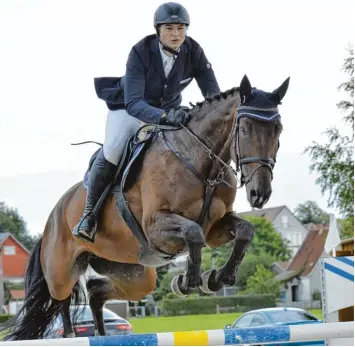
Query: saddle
[[136, 146]]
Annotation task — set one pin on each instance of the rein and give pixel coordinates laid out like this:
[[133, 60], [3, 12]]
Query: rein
[[211, 184], [220, 178]]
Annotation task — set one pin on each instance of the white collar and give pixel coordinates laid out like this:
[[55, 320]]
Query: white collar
[[164, 55]]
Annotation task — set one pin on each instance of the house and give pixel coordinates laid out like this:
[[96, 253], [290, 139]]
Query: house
[[284, 222], [280, 266], [14, 258], [301, 278], [16, 300], [345, 248]]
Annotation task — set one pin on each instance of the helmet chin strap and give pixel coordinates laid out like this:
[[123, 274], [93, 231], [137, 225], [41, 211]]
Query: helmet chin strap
[[168, 49]]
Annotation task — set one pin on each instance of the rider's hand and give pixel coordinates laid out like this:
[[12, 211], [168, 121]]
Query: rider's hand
[[176, 117]]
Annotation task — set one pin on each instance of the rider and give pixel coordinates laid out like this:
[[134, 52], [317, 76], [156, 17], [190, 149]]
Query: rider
[[158, 69]]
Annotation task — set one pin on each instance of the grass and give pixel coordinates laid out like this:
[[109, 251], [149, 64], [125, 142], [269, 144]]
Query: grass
[[2, 334], [186, 323]]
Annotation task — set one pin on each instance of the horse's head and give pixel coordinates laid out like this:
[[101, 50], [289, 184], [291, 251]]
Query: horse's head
[[256, 139]]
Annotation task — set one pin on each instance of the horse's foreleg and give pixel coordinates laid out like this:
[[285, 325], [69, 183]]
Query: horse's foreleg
[[170, 233], [230, 227]]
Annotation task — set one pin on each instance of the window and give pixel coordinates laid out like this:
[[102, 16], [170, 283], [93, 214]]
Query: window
[[296, 239], [244, 321], [283, 316], [9, 250], [288, 237], [84, 314], [300, 239], [258, 320], [284, 220]]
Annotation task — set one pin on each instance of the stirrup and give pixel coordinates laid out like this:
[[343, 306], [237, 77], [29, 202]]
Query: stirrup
[[82, 234]]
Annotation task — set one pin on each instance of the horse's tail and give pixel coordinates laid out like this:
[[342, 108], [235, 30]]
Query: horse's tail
[[39, 309]]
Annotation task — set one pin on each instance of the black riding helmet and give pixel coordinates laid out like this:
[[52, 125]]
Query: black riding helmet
[[170, 13]]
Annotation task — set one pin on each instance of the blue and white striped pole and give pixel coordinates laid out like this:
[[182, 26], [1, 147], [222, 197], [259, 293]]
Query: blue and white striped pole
[[260, 335]]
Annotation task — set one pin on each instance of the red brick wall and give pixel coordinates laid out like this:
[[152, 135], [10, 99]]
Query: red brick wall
[[14, 265]]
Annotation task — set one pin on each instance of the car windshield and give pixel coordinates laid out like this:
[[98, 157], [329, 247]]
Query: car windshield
[[85, 315], [289, 316]]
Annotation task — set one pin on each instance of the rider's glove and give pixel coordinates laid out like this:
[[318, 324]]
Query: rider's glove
[[175, 117]]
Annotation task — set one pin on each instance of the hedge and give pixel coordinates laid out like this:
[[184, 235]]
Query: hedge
[[208, 304], [5, 317]]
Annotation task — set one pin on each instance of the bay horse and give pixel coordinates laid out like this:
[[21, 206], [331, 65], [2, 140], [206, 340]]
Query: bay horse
[[182, 172]]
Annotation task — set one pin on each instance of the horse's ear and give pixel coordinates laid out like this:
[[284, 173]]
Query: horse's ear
[[244, 89], [281, 91]]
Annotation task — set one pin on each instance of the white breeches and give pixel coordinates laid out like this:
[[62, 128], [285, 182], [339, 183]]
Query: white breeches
[[120, 126]]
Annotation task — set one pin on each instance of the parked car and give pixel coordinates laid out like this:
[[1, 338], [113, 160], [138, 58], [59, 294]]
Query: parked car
[[277, 316], [114, 324]]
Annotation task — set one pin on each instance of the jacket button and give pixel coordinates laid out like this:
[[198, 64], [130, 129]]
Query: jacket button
[[166, 86]]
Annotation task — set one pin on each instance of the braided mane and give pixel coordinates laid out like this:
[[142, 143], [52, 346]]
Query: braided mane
[[216, 97]]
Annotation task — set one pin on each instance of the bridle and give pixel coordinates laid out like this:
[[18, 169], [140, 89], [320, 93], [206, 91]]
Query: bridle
[[246, 111], [221, 175]]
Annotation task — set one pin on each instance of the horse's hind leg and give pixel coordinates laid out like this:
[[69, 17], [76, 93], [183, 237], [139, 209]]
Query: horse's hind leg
[[98, 289], [230, 227], [67, 324], [125, 282], [81, 266]]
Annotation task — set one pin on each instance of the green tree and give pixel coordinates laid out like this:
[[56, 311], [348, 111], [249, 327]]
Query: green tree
[[12, 222], [161, 271], [268, 240], [215, 258], [310, 212], [334, 161], [249, 265], [164, 286], [262, 282], [347, 228]]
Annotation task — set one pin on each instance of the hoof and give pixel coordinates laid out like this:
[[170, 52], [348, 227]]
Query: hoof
[[213, 281], [209, 285], [177, 286], [70, 335], [208, 279]]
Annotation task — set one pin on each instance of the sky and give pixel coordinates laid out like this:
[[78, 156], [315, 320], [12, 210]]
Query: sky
[[51, 51]]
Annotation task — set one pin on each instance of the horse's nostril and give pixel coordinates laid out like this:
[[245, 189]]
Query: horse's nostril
[[252, 193]]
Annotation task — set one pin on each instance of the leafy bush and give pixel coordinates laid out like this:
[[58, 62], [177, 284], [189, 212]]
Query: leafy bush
[[263, 282], [5, 317], [206, 305]]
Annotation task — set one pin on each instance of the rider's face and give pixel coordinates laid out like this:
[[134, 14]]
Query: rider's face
[[173, 35]]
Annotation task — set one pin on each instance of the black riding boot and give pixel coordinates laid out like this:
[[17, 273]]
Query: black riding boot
[[101, 174]]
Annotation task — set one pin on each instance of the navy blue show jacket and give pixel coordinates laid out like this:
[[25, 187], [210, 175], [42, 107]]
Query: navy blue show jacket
[[144, 90]]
